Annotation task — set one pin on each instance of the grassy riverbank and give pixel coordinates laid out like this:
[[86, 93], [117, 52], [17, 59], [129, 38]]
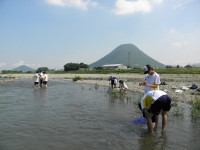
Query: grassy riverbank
[[159, 71], [141, 71]]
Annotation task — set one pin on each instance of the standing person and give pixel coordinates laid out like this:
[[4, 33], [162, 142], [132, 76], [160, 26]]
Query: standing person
[[41, 78], [123, 86], [113, 81], [153, 103], [36, 80], [151, 80], [45, 79]]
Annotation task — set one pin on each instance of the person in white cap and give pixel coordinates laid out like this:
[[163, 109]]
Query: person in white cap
[[151, 80]]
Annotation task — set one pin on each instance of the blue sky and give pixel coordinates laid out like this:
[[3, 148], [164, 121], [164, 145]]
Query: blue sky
[[51, 33]]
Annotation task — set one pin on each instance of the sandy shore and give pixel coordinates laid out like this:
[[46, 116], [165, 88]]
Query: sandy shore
[[174, 82]]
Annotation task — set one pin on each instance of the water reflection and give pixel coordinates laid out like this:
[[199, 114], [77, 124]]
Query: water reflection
[[40, 93], [153, 142], [122, 98]]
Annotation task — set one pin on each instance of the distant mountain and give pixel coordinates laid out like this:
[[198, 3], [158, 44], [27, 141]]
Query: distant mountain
[[196, 65], [127, 54], [23, 68]]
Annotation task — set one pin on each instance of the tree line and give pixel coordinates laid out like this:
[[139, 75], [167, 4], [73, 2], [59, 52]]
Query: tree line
[[75, 66]]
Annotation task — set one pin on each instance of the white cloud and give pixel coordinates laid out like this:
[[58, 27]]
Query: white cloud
[[123, 7], [157, 1], [82, 4], [181, 44], [2, 64], [180, 4], [56, 2]]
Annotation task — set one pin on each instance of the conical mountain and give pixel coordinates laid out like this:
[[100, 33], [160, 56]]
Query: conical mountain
[[127, 54], [23, 68]]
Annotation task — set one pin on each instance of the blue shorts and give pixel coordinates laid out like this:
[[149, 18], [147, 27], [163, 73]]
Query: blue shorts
[[163, 102]]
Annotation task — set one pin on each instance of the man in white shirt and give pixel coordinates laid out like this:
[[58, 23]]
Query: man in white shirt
[[151, 80], [45, 79], [36, 80]]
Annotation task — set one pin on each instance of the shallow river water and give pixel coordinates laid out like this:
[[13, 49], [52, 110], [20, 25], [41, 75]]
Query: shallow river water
[[71, 116]]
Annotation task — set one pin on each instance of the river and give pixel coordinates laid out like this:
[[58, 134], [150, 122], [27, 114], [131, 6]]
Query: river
[[72, 116]]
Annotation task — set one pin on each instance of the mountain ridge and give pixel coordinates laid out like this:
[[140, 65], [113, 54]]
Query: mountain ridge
[[23, 68]]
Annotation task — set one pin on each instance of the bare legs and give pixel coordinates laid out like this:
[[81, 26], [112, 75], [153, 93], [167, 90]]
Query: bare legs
[[164, 120]]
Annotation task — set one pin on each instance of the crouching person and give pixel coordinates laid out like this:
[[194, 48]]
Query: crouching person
[[152, 104], [113, 81], [123, 86]]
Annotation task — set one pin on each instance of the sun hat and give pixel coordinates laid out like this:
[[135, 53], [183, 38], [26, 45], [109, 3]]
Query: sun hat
[[147, 68]]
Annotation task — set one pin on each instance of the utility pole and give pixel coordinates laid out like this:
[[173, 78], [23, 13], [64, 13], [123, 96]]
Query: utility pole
[[129, 55]]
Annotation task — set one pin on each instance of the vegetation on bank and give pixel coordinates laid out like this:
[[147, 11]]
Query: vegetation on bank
[[75, 66], [195, 112], [76, 78], [160, 71]]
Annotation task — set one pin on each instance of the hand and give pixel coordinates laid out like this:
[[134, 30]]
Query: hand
[[147, 114], [141, 83]]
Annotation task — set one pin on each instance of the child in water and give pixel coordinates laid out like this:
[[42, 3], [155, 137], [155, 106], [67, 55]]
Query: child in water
[[123, 86]]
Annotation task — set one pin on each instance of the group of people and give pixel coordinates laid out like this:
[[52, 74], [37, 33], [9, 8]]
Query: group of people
[[40, 79], [152, 104], [154, 100], [122, 85]]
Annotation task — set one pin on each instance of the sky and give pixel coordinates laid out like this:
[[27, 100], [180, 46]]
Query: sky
[[52, 33]]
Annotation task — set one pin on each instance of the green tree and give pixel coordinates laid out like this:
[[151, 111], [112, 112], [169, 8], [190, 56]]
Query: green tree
[[82, 65], [74, 66], [71, 66], [188, 66], [42, 69], [98, 68]]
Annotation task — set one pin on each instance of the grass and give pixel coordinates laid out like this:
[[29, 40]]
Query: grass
[[96, 86], [195, 112], [115, 93], [76, 78], [178, 111], [160, 71]]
